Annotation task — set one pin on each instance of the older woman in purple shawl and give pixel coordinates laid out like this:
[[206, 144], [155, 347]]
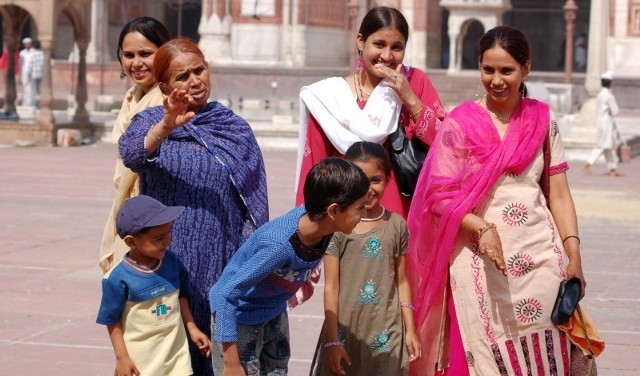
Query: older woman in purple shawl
[[204, 157], [488, 249]]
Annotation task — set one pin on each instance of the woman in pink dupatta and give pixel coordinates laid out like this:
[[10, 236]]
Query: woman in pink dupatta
[[487, 251]]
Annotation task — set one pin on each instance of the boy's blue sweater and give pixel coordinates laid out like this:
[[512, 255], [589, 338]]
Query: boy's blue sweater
[[259, 279]]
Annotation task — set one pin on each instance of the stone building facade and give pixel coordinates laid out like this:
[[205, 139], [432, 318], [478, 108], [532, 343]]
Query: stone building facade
[[269, 48]]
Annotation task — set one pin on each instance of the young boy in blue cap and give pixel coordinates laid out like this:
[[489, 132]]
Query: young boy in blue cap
[[144, 297], [249, 321]]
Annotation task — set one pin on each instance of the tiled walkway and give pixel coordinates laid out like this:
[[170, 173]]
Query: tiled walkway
[[53, 205]]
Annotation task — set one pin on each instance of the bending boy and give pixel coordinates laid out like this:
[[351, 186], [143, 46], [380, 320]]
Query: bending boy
[[249, 321]]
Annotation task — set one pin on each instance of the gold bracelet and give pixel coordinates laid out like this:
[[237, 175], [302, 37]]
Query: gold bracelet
[[156, 136], [417, 112], [485, 228]]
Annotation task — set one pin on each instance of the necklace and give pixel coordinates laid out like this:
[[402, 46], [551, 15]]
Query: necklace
[[504, 119], [363, 219], [359, 85]]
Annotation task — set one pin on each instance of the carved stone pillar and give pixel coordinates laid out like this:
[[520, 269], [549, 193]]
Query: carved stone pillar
[[597, 45], [454, 52], [45, 115], [570, 9], [215, 31], [352, 12], [81, 115], [98, 47], [584, 127], [10, 79]]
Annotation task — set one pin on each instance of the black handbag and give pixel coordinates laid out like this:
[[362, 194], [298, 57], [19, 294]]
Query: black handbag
[[407, 157], [566, 301]]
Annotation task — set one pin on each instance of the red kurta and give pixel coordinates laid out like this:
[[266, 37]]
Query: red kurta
[[318, 146]]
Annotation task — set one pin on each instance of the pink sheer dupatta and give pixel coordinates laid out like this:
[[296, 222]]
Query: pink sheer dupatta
[[465, 161]]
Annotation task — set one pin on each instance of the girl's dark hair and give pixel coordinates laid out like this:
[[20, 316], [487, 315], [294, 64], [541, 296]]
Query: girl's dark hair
[[383, 18], [333, 180], [509, 39], [169, 51], [149, 27], [365, 151]]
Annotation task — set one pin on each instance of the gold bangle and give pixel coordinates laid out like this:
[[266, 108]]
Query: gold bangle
[[485, 228], [156, 135], [417, 112]]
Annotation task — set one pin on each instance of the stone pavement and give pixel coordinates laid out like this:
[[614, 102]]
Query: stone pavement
[[54, 202]]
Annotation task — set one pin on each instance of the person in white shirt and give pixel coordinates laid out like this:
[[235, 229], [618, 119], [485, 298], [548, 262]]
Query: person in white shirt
[[26, 63], [608, 134]]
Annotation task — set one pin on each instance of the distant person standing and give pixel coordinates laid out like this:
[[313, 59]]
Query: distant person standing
[[37, 58], [580, 52], [28, 88], [608, 134]]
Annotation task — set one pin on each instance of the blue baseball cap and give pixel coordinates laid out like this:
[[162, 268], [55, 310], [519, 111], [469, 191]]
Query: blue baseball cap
[[142, 211]]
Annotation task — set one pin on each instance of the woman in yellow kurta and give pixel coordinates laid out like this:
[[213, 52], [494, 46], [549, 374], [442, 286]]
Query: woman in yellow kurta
[[139, 39]]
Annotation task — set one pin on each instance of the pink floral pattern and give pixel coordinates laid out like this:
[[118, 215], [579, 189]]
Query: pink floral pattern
[[482, 304]]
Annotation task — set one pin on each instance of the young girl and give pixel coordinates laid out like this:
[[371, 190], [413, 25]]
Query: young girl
[[369, 326]]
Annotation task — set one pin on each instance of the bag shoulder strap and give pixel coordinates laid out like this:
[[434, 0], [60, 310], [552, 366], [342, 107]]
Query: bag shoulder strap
[[545, 183]]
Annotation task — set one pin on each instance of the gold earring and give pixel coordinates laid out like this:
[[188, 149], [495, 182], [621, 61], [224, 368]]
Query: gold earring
[[122, 75]]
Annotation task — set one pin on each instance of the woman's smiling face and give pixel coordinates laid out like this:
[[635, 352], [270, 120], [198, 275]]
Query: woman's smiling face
[[386, 46], [501, 75], [137, 59]]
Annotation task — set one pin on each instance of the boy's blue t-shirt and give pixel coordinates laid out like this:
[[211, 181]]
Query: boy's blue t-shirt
[[125, 283], [146, 302], [259, 279]]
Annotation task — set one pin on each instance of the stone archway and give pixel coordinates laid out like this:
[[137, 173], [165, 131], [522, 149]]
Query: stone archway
[[461, 16], [472, 31], [44, 14]]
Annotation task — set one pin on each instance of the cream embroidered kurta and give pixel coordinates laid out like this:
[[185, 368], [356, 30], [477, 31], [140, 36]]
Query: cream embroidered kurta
[[505, 321]]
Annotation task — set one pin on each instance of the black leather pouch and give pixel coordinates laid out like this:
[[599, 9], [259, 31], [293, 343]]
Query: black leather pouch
[[407, 157], [566, 301]]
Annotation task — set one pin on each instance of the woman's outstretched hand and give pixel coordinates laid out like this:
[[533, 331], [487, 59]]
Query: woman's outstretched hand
[[175, 109]]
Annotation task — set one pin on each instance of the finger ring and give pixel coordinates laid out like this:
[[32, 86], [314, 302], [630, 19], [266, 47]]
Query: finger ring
[[395, 76]]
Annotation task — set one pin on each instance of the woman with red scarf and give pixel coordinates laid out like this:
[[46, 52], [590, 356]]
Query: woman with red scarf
[[487, 248]]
